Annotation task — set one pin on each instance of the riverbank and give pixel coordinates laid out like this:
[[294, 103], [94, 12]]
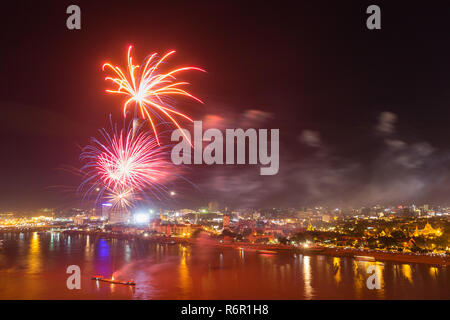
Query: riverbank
[[23, 230], [280, 248], [390, 256], [351, 253]]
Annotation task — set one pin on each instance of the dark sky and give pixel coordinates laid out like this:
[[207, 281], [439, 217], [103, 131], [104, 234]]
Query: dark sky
[[363, 115]]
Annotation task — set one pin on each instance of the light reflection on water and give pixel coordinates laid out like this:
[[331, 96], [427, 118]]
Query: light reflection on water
[[337, 269], [34, 259], [185, 279], [307, 275], [407, 272], [33, 266]]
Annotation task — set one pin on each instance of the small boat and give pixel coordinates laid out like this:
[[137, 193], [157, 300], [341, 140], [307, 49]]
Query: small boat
[[246, 249], [364, 258], [267, 251], [100, 278]]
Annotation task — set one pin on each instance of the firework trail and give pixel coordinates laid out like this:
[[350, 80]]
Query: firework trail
[[123, 164], [149, 89]]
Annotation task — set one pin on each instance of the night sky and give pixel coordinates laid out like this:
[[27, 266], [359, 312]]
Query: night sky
[[363, 115]]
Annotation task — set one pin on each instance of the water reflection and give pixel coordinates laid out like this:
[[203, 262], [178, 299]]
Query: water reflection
[[433, 272], [379, 272], [307, 275], [34, 259], [337, 269], [185, 280], [359, 279], [127, 252], [407, 272], [38, 263]]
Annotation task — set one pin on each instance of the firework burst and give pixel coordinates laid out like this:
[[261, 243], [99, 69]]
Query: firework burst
[[149, 89], [121, 198], [124, 163]]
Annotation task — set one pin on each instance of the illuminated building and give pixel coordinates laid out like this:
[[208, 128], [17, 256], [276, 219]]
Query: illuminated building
[[79, 219], [226, 221], [176, 229], [213, 206], [427, 231], [119, 215], [105, 210]]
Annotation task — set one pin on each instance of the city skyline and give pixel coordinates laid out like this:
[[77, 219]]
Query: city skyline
[[202, 151], [353, 128]]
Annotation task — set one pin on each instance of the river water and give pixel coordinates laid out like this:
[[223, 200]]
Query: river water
[[33, 266]]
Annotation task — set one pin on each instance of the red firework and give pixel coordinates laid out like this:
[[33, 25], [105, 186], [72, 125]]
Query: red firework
[[149, 88]]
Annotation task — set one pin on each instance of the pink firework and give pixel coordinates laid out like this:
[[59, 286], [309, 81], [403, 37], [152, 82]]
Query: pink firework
[[125, 160]]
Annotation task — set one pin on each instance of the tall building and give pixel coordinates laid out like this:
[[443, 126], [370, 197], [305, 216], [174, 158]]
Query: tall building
[[114, 215], [118, 215], [226, 221], [105, 210], [213, 206]]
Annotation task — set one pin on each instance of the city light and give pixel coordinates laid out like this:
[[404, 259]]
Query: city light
[[141, 218], [316, 168]]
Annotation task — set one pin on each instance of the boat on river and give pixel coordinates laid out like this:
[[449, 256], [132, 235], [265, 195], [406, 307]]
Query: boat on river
[[113, 281]]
